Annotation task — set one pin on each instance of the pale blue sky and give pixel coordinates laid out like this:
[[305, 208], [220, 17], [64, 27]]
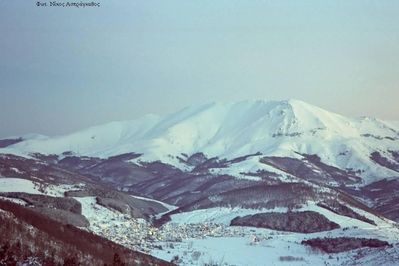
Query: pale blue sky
[[66, 69]]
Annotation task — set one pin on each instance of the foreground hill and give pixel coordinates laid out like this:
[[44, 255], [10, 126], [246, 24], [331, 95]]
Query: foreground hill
[[29, 236]]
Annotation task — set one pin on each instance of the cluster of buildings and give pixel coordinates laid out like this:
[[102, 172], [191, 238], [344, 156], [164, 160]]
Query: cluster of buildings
[[140, 235]]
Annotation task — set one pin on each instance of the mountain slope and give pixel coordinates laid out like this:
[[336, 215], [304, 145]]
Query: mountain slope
[[230, 130], [27, 234], [213, 164]]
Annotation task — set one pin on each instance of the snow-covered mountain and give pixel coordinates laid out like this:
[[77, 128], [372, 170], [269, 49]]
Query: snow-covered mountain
[[284, 174], [230, 130]]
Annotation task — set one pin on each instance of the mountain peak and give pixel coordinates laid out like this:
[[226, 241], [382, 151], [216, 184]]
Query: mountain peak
[[229, 130]]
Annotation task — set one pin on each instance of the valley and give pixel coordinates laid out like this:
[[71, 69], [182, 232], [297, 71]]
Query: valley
[[245, 183]]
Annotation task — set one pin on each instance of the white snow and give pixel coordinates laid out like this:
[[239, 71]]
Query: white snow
[[59, 190], [230, 130], [95, 212], [275, 246], [252, 165], [16, 170], [167, 206], [271, 251], [240, 251], [217, 243], [219, 215], [8, 184]]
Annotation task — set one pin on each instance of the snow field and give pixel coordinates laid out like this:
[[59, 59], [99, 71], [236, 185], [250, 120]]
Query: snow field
[[230, 130]]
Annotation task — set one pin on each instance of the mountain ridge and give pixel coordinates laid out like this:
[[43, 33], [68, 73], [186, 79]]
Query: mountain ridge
[[279, 165], [233, 129]]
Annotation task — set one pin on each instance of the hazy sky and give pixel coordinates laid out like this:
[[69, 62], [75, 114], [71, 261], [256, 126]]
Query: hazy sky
[[62, 69]]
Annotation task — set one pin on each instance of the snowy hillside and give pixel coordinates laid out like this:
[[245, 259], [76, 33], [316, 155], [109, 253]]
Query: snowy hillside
[[221, 183], [230, 130]]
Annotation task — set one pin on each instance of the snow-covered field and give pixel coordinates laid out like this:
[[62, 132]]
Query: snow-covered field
[[167, 206], [275, 247], [9, 184], [277, 250], [203, 237], [241, 251], [219, 215]]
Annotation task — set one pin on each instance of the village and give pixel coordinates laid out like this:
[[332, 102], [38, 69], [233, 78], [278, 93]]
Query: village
[[140, 235]]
